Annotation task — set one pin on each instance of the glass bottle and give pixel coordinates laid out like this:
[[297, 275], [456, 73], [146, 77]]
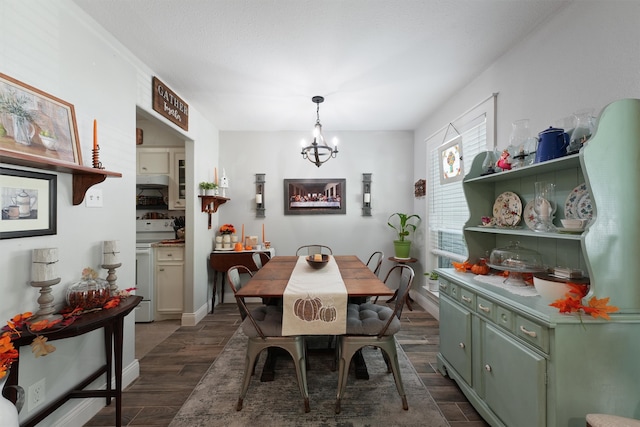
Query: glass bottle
[[544, 205], [585, 126]]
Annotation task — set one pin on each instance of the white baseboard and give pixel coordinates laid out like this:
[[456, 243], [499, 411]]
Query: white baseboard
[[192, 319], [85, 409], [429, 303]]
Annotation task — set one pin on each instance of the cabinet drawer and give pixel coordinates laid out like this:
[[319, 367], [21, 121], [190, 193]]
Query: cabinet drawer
[[533, 333], [170, 254], [486, 308], [444, 286], [454, 291], [468, 299], [504, 318]]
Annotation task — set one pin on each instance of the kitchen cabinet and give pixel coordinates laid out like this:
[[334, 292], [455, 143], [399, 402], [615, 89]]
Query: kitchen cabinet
[[177, 186], [518, 360], [153, 160], [169, 282]]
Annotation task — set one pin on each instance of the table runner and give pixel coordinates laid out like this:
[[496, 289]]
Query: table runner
[[315, 301]]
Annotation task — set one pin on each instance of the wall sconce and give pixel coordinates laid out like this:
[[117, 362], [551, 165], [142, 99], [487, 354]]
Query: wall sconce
[[366, 194], [260, 195]]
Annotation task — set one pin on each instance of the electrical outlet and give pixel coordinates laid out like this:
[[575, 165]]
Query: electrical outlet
[[36, 395], [93, 198]]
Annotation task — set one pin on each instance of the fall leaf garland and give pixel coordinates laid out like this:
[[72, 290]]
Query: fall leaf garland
[[572, 303]]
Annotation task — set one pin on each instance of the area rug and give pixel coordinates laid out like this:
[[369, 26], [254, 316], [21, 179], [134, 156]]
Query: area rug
[[371, 402]]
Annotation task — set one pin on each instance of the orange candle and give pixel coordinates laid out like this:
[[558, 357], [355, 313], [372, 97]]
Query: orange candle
[[95, 134], [243, 233], [263, 232], [215, 176]]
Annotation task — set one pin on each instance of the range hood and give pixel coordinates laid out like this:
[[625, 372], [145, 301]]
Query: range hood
[[152, 181]]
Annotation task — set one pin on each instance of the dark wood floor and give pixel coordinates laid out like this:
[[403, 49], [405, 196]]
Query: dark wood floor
[[170, 370]]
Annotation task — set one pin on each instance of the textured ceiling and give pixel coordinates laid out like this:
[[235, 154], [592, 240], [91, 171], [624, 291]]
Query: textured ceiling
[[255, 64]]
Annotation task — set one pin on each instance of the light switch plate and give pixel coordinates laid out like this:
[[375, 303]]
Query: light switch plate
[[93, 198]]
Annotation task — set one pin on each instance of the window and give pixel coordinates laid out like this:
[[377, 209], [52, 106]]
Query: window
[[448, 211]]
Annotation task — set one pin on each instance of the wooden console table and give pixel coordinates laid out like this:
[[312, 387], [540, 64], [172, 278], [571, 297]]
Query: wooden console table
[[112, 321], [221, 261]]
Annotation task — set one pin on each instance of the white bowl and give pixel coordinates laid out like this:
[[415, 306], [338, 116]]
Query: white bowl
[[49, 143], [573, 223], [550, 290]]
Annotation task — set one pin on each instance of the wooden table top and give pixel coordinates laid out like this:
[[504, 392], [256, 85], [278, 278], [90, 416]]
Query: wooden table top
[[271, 280]]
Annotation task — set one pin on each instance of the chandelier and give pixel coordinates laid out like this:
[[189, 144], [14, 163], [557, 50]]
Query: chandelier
[[319, 151]]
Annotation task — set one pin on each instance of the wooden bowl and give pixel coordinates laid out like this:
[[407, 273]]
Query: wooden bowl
[[318, 264]]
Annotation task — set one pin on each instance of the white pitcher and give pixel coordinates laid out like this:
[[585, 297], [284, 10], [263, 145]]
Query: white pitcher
[[25, 203]]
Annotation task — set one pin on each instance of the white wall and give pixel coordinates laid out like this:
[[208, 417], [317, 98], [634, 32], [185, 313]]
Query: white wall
[[587, 55], [387, 155], [56, 48]]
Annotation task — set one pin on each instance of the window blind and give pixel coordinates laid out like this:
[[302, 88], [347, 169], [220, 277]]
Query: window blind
[[448, 211]]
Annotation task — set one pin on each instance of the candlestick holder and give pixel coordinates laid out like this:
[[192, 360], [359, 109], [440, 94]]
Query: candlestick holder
[[97, 164], [111, 277], [45, 300]]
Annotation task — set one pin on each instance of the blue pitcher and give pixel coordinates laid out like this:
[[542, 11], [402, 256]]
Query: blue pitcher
[[552, 143]]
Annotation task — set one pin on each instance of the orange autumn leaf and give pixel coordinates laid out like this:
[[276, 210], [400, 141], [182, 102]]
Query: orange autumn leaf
[[462, 266], [112, 303], [577, 290], [567, 305], [41, 325], [599, 308], [39, 347]]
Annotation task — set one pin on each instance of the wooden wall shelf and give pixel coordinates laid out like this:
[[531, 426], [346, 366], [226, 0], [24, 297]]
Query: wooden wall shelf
[[84, 177], [216, 201]]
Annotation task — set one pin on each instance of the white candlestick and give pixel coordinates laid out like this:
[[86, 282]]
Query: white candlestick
[[111, 252], [44, 265], [259, 199], [367, 197]]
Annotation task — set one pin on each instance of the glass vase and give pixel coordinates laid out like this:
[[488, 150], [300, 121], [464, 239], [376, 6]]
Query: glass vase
[[87, 294]]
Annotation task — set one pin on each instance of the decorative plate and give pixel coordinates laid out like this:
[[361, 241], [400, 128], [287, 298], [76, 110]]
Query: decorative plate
[[507, 209], [530, 216], [578, 203]]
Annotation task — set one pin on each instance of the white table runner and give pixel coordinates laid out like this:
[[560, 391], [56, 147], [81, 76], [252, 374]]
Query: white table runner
[[315, 301]]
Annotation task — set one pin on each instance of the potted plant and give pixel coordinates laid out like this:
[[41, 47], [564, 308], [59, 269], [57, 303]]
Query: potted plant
[[404, 224], [433, 280], [208, 188]]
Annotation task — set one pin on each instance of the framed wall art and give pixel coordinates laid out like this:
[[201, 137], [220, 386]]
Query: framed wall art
[[28, 202], [315, 196], [450, 159], [38, 124]]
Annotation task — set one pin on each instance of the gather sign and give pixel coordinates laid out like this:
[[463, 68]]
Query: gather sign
[[170, 105]]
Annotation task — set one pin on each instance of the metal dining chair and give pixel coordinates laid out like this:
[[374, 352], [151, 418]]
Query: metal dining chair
[[374, 325], [257, 259], [314, 249], [263, 327], [375, 264]]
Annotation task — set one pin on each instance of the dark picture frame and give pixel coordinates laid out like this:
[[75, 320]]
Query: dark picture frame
[[29, 203], [35, 123], [315, 196]]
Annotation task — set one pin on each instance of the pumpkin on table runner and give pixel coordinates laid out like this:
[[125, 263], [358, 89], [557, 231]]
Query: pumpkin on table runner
[[307, 308], [328, 313]]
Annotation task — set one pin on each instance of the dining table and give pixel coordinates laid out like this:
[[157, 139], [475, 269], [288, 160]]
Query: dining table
[[270, 282]]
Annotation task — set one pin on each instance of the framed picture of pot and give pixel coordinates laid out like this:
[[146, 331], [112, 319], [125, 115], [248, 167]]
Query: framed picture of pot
[[28, 201], [450, 161], [315, 196], [35, 123]]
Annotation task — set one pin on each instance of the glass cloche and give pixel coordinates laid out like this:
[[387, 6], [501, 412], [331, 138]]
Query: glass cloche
[[516, 260]]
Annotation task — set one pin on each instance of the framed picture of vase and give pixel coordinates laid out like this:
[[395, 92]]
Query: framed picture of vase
[[450, 161], [315, 196], [37, 124], [28, 201]]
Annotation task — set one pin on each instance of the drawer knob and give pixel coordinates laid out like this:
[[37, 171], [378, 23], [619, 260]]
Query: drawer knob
[[524, 330], [162, 269], [443, 287], [169, 254], [483, 308], [487, 368], [466, 299], [461, 345]]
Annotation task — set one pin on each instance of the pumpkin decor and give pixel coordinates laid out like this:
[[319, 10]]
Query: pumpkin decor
[[328, 313], [480, 267], [307, 309]]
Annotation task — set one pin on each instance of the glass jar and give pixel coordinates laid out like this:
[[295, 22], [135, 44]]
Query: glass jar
[[585, 126], [88, 293]]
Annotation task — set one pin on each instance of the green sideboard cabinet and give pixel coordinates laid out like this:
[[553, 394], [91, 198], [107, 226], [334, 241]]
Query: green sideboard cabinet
[[519, 361]]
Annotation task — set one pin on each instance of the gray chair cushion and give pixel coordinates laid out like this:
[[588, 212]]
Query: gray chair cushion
[[268, 318], [369, 319]]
